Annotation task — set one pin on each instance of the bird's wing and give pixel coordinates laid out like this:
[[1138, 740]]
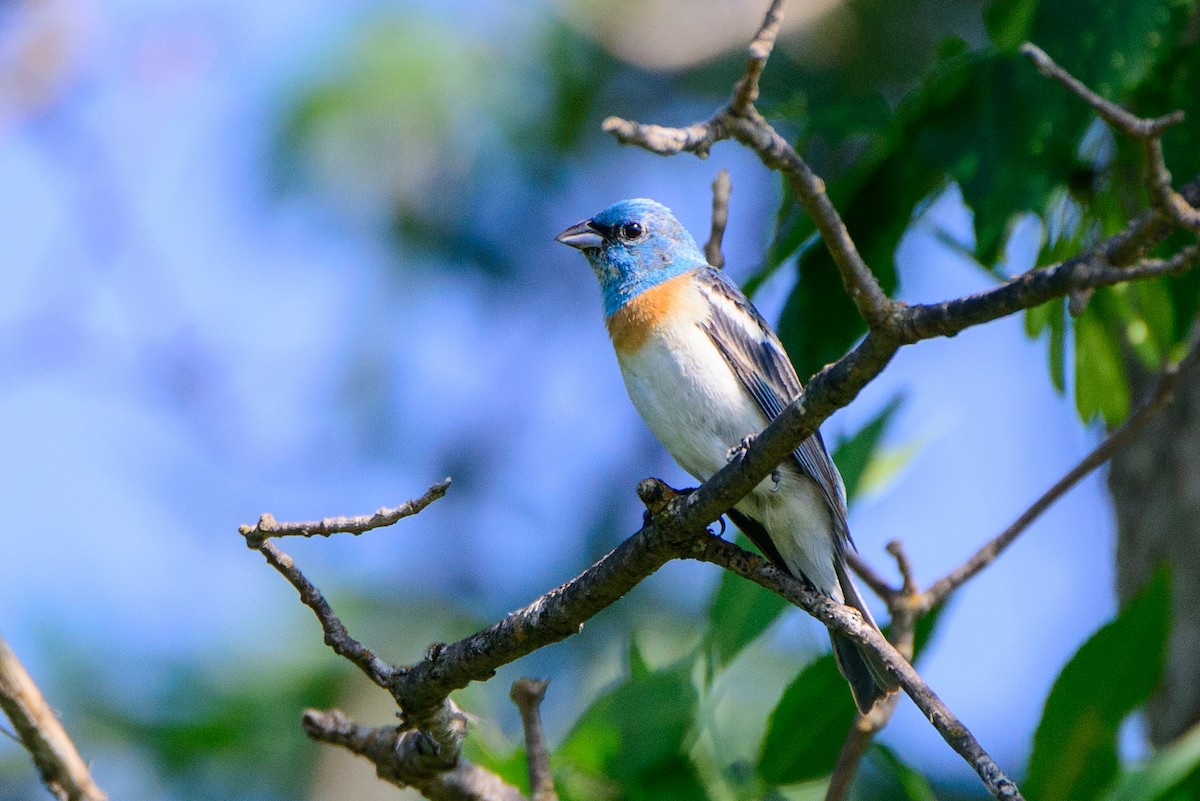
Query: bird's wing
[[754, 353]]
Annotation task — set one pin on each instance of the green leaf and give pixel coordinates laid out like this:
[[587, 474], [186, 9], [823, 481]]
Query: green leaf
[[1156, 312], [1005, 162], [1171, 84], [639, 668], [1161, 776], [1013, 141], [1051, 318], [808, 726], [1114, 53], [1113, 673], [633, 740], [739, 613], [1009, 22], [1101, 386], [887, 463], [957, 125], [1056, 347], [913, 785]]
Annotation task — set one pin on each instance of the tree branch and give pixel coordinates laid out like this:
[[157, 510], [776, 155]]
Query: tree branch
[[267, 526], [425, 750], [410, 759], [527, 694], [673, 533], [62, 769], [1088, 271], [336, 635], [908, 604], [721, 190]]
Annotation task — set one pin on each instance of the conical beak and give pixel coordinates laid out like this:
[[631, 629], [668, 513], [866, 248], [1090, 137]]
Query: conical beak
[[582, 235]]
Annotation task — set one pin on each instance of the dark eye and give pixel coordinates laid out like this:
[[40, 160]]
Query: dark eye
[[631, 231]]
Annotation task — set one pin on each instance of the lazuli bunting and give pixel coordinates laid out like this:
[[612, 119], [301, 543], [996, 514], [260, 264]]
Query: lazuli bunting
[[705, 370]]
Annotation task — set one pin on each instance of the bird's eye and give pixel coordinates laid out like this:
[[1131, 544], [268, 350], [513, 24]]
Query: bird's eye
[[631, 231]]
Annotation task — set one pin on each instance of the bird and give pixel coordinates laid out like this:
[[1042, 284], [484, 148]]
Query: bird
[[706, 372]]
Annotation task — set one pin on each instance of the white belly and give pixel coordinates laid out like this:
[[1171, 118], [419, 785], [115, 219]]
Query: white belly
[[689, 398], [696, 407]]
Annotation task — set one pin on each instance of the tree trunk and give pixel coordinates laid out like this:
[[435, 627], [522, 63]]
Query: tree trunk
[[1155, 484]]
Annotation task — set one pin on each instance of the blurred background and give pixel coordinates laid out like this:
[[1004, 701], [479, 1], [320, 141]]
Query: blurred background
[[299, 258]]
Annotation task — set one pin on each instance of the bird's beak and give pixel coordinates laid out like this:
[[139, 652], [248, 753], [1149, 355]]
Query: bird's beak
[[582, 235]]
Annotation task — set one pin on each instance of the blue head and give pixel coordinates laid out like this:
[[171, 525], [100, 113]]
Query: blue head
[[633, 246]]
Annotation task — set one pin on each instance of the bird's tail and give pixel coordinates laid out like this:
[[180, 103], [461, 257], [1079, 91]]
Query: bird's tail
[[869, 680]]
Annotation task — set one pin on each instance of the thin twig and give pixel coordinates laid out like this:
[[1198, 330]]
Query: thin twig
[[1160, 399], [1147, 131], [268, 527], [677, 530], [721, 189], [560, 613], [745, 94], [62, 769], [878, 584], [908, 587], [527, 694], [336, 635], [904, 613], [854, 747], [1181, 262], [1110, 112]]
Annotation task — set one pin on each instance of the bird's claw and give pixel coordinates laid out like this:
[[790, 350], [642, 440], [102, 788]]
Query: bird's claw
[[739, 450]]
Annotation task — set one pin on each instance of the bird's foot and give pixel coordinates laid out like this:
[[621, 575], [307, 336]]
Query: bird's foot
[[738, 451]]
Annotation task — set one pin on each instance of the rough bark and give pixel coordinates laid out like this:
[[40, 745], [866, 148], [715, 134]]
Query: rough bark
[[1155, 484]]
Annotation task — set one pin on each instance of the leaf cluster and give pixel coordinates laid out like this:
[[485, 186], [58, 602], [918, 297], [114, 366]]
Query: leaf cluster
[[1015, 147]]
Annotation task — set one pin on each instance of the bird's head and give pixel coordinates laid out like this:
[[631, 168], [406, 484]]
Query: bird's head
[[633, 246]]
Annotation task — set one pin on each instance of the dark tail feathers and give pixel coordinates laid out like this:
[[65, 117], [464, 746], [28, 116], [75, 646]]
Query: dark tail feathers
[[869, 679]]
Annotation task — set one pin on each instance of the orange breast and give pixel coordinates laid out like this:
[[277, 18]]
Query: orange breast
[[634, 323]]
